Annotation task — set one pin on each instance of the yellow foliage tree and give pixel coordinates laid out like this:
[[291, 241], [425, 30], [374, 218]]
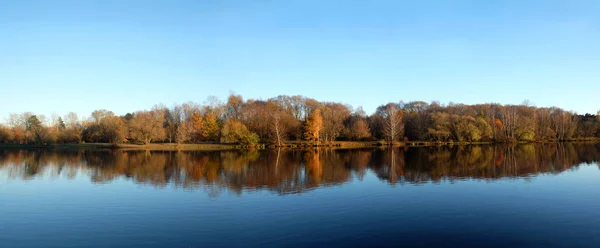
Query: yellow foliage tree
[[210, 127], [313, 126]]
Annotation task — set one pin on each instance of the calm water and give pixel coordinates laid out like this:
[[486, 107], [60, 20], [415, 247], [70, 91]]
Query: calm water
[[462, 196]]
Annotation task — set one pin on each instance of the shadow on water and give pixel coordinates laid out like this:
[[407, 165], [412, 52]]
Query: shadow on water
[[297, 171]]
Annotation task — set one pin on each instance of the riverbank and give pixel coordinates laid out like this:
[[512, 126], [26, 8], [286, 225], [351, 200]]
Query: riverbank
[[288, 145]]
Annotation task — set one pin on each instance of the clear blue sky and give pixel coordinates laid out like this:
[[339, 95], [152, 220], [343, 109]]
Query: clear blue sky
[[124, 56]]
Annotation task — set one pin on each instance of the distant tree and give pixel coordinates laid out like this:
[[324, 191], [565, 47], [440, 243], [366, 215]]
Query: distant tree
[[184, 132], [100, 114], [128, 116], [147, 126], [415, 120], [235, 132], [356, 128], [313, 126], [211, 127], [234, 106], [6, 135], [61, 124], [440, 129], [104, 126], [113, 129], [196, 128], [563, 124], [334, 115], [171, 123], [393, 126], [278, 129], [34, 125]]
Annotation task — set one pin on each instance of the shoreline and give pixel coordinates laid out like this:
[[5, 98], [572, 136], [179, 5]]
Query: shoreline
[[290, 145]]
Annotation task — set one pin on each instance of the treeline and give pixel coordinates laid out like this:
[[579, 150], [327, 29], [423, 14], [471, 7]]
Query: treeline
[[287, 119]]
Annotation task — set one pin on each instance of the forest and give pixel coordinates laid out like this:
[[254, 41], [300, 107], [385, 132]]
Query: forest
[[285, 120]]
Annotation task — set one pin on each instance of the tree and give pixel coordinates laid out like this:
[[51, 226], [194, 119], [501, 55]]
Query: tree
[[196, 128], [184, 132], [6, 136], [172, 122], [563, 124], [210, 127], [100, 114], [334, 115], [34, 125], [234, 106], [103, 127], [113, 129], [235, 132], [313, 126], [440, 129], [356, 128], [598, 124], [392, 126], [147, 126], [61, 124], [415, 119], [278, 129], [73, 129]]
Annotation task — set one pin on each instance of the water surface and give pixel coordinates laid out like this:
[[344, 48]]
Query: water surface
[[527, 195]]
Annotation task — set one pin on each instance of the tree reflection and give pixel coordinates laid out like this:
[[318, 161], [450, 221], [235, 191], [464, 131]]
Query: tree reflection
[[295, 171]]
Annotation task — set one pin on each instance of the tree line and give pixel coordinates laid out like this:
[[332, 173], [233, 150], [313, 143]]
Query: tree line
[[286, 119]]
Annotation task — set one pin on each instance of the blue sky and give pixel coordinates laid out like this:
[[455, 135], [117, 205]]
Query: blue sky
[[81, 55]]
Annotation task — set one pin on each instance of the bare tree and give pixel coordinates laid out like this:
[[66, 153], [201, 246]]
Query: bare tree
[[393, 126], [278, 129]]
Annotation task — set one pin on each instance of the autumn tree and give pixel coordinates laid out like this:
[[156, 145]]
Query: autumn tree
[[113, 129], [100, 114], [440, 128], [587, 126], [234, 106], [356, 126], [172, 122], [73, 129], [6, 136], [563, 124], [235, 132], [543, 124], [334, 115], [147, 126], [257, 117], [196, 129], [313, 126], [416, 119], [104, 126], [184, 132], [211, 127]]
